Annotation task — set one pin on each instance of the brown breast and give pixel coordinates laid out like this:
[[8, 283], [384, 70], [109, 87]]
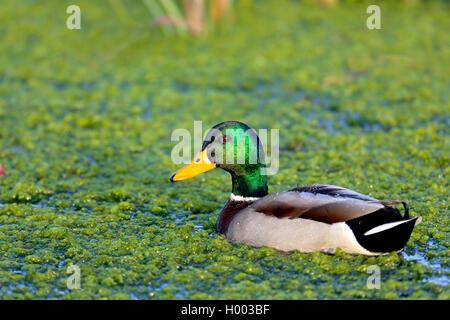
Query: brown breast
[[232, 208]]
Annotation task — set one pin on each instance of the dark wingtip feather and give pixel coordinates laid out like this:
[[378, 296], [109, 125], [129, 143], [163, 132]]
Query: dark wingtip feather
[[388, 240]]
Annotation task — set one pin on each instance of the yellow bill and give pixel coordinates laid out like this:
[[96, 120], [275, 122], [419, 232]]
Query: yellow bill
[[199, 165]]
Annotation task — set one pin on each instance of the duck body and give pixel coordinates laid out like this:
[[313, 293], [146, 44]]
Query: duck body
[[329, 218], [318, 217]]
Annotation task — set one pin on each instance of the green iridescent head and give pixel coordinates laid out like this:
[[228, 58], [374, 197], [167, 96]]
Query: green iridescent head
[[234, 147]]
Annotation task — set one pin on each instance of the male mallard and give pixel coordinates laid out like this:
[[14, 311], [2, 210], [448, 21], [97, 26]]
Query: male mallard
[[318, 217]]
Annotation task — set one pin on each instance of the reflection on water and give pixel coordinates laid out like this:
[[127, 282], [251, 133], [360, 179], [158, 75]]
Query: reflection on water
[[439, 271]]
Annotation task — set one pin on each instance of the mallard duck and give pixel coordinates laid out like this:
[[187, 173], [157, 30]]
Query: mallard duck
[[317, 217]]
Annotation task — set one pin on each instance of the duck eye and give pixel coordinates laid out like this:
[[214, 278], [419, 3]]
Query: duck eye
[[226, 138]]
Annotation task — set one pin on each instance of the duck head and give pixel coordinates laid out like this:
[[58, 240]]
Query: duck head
[[234, 147]]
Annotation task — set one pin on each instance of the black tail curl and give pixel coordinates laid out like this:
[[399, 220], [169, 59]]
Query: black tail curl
[[392, 239], [404, 203]]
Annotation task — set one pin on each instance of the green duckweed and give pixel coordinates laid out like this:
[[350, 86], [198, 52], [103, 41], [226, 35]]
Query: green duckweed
[[85, 123]]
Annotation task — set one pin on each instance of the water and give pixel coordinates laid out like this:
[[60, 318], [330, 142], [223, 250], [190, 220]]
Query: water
[[440, 279]]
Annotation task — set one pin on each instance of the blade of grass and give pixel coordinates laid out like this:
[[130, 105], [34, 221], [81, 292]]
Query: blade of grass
[[174, 12], [171, 8], [156, 12], [194, 12], [153, 8]]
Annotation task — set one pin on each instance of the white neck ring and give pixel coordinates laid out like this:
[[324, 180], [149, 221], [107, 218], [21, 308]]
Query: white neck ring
[[241, 198]]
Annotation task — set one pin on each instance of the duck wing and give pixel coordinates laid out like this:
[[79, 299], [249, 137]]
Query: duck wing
[[320, 202], [331, 190]]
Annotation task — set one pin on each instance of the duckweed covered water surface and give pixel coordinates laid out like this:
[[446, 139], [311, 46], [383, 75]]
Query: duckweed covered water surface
[[85, 123]]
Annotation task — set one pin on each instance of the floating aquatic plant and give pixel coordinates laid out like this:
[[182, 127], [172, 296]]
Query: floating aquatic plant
[[85, 123]]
